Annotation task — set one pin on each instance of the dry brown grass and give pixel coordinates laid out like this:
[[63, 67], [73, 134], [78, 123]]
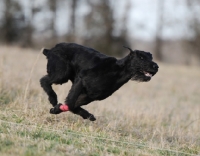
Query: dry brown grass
[[161, 117]]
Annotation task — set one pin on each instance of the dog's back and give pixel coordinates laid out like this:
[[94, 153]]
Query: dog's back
[[71, 58]]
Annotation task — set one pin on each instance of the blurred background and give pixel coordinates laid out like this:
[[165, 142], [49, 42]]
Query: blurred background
[[170, 29]]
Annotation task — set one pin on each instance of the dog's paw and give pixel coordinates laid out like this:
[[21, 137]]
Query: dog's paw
[[56, 109], [92, 118]]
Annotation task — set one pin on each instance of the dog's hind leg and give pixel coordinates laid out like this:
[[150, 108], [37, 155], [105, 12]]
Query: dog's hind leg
[[74, 94], [74, 100], [70, 100], [84, 114], [46, 85], [78, 110], [83, 99]]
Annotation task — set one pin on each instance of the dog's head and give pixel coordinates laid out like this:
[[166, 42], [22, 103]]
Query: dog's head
[[141, 65]]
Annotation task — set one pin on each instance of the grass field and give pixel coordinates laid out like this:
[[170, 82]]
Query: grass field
[[161, 117]]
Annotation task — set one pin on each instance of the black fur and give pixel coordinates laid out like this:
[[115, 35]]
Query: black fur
[[94, 75]]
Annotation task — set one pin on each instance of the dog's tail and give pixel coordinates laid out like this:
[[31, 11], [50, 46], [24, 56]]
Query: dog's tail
[[46, 52]]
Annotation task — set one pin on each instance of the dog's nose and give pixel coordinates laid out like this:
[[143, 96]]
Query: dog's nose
[[155, 66]]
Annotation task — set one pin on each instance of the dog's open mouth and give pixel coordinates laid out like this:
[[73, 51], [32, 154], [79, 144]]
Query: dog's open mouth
[[147, 74]]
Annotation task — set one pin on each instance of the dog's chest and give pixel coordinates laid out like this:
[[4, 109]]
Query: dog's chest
[[101, 87]]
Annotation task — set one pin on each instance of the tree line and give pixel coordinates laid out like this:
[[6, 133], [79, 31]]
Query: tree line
[[100, 28], [99, 24]]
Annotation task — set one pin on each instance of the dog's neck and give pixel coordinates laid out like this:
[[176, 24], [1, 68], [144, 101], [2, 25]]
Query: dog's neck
[[125, 66]]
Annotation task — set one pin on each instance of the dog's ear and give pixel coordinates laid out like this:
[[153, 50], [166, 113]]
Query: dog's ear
[[128, 48], [150, 55], [135, 52], [132, 53]]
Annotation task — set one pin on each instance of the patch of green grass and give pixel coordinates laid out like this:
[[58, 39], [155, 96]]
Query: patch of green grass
[[186, 149], [31, 150], [8, 95], [40, 141], [113, 150], [5, 144]]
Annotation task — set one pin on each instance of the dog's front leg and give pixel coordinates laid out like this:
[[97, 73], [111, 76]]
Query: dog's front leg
[[46, 85]]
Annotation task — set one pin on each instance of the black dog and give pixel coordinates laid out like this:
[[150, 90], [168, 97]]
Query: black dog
[[94, 75]]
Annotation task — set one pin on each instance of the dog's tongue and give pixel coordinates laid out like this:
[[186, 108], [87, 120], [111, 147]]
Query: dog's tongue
[[147, 74]]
